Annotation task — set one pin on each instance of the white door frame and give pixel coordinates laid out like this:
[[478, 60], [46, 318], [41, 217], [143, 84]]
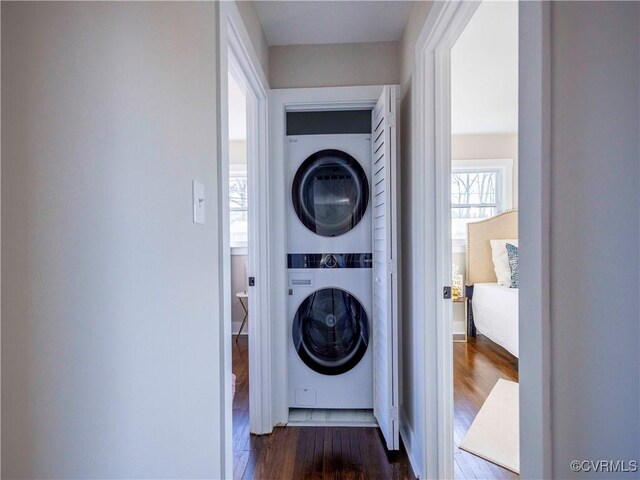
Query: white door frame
[[432, 167], [236, 54], [534, 171], [281, 101]]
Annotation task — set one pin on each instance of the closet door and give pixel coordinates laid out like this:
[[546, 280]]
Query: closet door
[[386, 212]]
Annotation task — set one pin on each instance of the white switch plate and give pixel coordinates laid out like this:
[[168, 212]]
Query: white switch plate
[[198, 203]]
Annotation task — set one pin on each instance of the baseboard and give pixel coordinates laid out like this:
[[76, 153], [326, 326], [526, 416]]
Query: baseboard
[[327, 417], [410, 444]]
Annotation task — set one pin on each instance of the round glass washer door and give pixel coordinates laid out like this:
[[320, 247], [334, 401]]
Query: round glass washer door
[[330, 192], [331, 331]]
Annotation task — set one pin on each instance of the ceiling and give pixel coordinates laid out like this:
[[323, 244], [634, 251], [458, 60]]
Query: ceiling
[[484, 72], [484, 61], [237, 111], [314, 22]]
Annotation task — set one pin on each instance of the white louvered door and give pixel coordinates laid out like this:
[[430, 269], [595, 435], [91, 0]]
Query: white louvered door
[[386, 214]]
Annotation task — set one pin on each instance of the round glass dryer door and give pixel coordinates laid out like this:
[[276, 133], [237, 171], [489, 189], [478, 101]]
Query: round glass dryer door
[[330, 192], [331, 331]]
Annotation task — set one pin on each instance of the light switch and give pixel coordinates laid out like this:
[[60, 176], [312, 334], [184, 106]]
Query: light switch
[[198, 202]]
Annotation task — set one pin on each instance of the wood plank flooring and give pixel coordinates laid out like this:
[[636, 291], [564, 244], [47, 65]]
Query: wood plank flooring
[[358, 453], [322, 453], [477, 366]]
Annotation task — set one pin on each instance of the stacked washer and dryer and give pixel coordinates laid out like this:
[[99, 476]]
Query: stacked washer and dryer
[[329, 269]]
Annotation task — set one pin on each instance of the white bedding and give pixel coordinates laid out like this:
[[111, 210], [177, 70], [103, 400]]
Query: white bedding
[[495, 314]]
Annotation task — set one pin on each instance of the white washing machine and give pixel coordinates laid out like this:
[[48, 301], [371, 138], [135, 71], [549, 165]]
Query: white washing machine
[[328, 207], [329, 347]]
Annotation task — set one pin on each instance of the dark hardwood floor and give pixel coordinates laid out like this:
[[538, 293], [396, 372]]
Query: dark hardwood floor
[[477, 366], [358, 453], [307, 452]]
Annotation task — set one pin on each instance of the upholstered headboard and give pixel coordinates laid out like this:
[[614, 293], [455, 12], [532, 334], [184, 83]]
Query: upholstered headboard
[[479, 263]]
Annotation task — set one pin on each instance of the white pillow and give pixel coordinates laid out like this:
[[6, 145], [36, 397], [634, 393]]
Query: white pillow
[[501, 259]]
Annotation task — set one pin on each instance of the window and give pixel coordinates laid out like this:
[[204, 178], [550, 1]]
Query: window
[[479, 189], [238, 203]]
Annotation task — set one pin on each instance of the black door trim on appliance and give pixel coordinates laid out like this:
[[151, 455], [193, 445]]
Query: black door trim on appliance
[[330, 192], [331, 331]]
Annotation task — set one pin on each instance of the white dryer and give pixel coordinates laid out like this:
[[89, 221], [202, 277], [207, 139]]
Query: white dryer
[[329, 180], [329, 353]]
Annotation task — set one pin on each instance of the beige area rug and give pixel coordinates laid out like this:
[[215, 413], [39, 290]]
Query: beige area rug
[[495, 433]]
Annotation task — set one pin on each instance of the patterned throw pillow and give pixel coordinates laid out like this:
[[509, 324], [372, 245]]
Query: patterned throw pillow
[[512, 252]]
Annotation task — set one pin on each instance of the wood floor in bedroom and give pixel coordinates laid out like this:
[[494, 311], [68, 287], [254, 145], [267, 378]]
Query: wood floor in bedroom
[[477, 366]]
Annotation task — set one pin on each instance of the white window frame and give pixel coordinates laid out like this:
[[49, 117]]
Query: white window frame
[[504, 185]]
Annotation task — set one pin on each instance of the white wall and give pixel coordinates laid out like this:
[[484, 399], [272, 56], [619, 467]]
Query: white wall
[[412, 402], [489, 146], [238, 152], [484, 71], [333, 65], [589, 56], [110, 338], [595, 168], [251, 22]]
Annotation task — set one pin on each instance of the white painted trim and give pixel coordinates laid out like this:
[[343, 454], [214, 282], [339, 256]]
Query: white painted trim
[[245, 61], [410, 442], [431, 164], [237, 251], [459, 246], [236, 54], [281, 101], [482, 163], [432, 180], [534, 159], [224, 286], [250, 59], [326, 98], [0, 279], [238, 169]]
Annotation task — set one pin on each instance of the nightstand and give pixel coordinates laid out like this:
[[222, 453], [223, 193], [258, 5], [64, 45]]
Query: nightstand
[[462, 337]]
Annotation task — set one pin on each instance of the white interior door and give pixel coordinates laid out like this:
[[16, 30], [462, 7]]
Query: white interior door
[[386, 214]]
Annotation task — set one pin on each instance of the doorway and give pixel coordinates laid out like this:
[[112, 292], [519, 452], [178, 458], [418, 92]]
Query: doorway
[[484, 243], [433, 148], [243, 204], [239, 259]]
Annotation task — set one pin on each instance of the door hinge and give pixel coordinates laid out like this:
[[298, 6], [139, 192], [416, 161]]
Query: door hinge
[[446, 293], [391, 120], [392, 267], [394, 413]]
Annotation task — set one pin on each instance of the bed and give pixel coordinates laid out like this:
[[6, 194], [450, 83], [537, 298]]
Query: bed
[[493, 308]]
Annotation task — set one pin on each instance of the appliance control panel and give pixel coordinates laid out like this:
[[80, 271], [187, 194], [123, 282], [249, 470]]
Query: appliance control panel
[[329, 260]]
